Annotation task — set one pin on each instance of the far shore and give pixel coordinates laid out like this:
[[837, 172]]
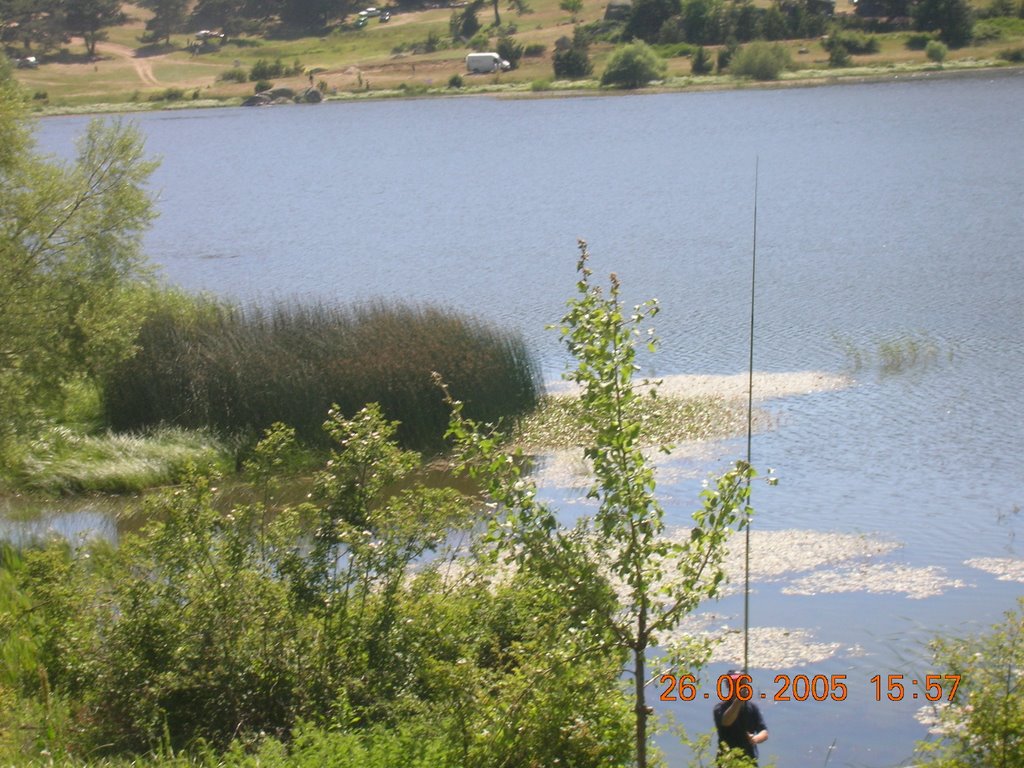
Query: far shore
[[710, 84]]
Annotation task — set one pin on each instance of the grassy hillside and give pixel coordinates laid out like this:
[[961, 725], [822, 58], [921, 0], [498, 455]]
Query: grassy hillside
[[385, 59]]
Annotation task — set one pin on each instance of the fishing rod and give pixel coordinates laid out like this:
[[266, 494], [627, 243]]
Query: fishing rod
[[750, 435], [828, 755]]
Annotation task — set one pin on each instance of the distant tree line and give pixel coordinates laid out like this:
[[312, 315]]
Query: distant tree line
[[45, 25], [721, 22]]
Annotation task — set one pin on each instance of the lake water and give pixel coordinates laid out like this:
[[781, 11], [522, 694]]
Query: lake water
[[889, 212]]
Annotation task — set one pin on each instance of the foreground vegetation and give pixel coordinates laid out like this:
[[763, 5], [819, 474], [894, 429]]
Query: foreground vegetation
[[553, 45], [401, 624]]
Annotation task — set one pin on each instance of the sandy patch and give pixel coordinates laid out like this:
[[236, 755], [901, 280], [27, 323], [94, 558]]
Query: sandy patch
[[889, 578], [1003, 568]]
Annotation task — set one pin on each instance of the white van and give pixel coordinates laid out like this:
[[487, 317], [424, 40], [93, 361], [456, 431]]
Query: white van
[[486, 62]]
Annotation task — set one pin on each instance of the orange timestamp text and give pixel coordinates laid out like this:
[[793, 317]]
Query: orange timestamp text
[[809, 688]]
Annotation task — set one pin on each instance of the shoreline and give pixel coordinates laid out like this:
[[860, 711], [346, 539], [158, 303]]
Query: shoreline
[[523, 91]]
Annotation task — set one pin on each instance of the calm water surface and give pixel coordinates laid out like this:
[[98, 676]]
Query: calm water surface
[[886, 212]]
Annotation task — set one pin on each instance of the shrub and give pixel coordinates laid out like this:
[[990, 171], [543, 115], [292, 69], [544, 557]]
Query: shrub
[[633, 66], [264, 70], [984, 723], [538, 86], [856, 43], [725, 54], [455, 81], [481, 41], [917, 41], [239, 370], [233, 75], [510, 50], [936, 51], [673, 50], [701, 63], [534, 50], [985, 32], [168, 94], [1014, 55], [573, 61], [262, 85], [838, 56], [760, 61]]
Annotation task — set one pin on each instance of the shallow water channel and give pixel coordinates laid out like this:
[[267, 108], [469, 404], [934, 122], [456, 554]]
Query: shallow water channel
[[889, 236]]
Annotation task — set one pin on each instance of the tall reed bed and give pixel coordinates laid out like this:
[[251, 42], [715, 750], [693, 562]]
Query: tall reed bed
[[238, 369]]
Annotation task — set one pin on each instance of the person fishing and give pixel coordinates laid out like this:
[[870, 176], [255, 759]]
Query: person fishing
[[739, 723]]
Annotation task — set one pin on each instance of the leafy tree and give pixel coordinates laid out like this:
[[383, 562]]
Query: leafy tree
[[466, 24], [69, 259], [746, 21], [953, 19], [89, 17], [572, 7], [774, 24], [647, 16], [702, 21], [230, 16], [658, 580], [888, 9], [633, 66], [311, 14], [983, 726], [168, 17], [572, 61], [701, 63], [33, 22]]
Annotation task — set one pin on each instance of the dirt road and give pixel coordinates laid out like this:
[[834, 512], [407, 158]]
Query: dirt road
[[143, 67]]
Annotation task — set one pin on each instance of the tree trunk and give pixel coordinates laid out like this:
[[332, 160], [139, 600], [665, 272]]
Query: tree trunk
[[641, 707], [497, 15]]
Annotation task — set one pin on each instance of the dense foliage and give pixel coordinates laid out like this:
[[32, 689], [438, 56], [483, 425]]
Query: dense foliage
[[657, 580], [572, 59], [983, 727], [240, 369], [760, 61], [633, 66], [70, 262], [398, 622], [213, 626]]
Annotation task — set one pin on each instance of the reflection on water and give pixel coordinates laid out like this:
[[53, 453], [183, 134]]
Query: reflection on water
[[889, 214], [23, 521]]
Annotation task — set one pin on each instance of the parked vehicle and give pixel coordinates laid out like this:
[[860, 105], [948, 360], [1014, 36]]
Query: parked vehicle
[[486, 62]]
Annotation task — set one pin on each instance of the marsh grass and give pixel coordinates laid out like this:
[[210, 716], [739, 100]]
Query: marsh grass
[[557, 422], [237, 370], [64, 461], [891, 356]]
